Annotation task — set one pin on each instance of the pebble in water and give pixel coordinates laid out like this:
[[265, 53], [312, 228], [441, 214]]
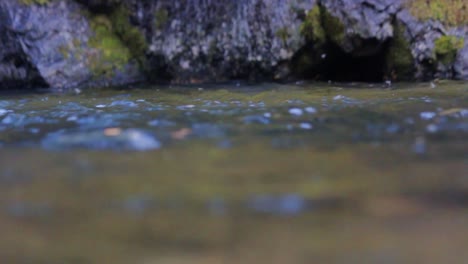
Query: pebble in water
[[339, 97], [4, 112], [296, 111], [427, 115], [310, 110], [432, 128], [256, 119], [306, 126], [289, 204], [108, 139], [419, 146], [185, 107], [123, 103]]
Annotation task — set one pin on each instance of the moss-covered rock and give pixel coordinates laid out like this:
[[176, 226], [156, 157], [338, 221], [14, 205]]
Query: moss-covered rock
[[399, 59], [312, 27], [35, 2], [161, 16], [128, 34], [447, 47], [117, 41], [113, 54], [449, 12], [320, 26], [333, 27]]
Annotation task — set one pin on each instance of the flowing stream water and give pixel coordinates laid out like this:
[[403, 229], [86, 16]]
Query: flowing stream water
[[268, 173]]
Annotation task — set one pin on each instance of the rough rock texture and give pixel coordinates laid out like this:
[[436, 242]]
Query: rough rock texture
[[68, 43], [461, 62], [212, 40], [50, 45], [367, 24], [206, 40]]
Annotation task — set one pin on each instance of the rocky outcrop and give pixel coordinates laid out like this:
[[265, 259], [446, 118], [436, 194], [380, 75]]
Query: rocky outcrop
[[212, 40], [69, 43]]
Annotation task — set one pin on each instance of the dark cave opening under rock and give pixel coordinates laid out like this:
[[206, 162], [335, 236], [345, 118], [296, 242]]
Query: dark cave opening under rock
[[331, 63]]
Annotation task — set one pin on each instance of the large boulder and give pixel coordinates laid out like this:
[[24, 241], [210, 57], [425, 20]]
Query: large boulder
[[60, 44]]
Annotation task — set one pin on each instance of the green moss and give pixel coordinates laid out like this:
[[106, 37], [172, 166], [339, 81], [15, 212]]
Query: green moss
[[283, 34], [112, 52], [399, 59], [64, 51], [129, 35], [320, 26], [312, 28], [446, 48], [449, 12], [117, 41], [35, 2], [334, 29], [161, 16]]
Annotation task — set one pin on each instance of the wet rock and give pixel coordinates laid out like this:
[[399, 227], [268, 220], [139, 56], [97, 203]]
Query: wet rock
[[419, 146], [130, 139], [427, 115], [281, 205], [362, 22], [461, 63], [306, 126], [296, 111], [201, 40], [51, 45], [256, 119]]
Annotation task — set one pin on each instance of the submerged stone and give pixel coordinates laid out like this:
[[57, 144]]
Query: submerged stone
[[129, 139]]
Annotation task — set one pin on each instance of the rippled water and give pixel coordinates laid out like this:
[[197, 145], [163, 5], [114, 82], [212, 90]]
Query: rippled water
[[304, 173]]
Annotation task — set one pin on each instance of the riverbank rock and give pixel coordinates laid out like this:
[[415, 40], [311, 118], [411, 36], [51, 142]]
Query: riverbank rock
[[69, 43], [60, 44]]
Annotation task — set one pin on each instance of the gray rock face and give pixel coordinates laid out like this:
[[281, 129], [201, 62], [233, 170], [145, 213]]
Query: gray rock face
[[364, 20], [461, 63], [205, 40], [69, 43]]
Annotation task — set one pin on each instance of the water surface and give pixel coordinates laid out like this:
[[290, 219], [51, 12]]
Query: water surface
[[303, 173]]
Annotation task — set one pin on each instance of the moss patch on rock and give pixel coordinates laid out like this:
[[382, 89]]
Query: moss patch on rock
[[447, 47], [35, 2], [116, 40], [320, 26], [399, 59], [334, 29], [312, 28], [449, 12], [129, 35], [161, 16], [113, 54]]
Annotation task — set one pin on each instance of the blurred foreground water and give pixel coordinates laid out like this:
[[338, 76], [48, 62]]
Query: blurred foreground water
[[304, 173]]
